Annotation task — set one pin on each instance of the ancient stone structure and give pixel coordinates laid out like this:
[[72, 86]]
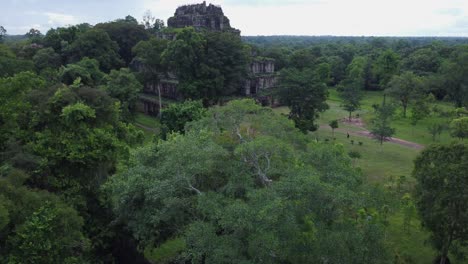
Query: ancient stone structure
[[201, 16], [261, 70], [261, 76]]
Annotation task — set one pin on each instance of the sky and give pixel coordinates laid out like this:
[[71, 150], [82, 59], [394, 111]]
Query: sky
[[259, 17]]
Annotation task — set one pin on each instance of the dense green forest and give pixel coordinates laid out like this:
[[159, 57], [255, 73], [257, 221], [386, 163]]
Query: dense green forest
[[325, 176]]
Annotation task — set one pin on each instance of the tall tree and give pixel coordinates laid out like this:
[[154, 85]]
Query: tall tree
[[404, 88], [305, 95], [124, 86], [386, 65], [381, 124], [2, 33], [459, 128], [351, 88], [96, 44], [440, 193], [455, 72], [127, 33]]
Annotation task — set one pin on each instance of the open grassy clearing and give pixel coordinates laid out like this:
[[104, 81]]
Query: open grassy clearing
[[380, 164]]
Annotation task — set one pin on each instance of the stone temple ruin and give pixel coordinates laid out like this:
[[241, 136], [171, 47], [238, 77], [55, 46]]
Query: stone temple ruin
[[261, 75], [201, 16]]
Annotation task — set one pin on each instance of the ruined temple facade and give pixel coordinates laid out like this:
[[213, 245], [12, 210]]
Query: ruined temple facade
[[201, 16], [261, 71], [261, 76]]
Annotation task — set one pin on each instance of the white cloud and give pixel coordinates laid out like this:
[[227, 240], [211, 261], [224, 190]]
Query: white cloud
[[57, 19], [336, 17]]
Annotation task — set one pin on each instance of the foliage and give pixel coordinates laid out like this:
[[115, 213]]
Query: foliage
[[440, 194], [459, 128], [2, 33], [46, 58], [123, 86], [381, 125], [39, 228], [174, 117], [87, 70], [251, 188], [334, 125], [351, 88], [208, 66], [52, 234], [126, 33], [305, 95], [96, 44], [404, 88], [455, 72]]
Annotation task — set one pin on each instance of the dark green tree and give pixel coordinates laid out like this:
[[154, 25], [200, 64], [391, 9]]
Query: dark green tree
[[305, 95], [2, 33], [46, 58], [124, 86], [404, 88], [440, 194], [350, 90], [96, 44], [455, 72], [127, 33], [174, 117], [87, 70], [459, 128], [381, 124], [333, 125]]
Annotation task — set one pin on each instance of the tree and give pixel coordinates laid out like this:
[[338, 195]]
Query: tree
[[52, 234], [435, 129], [46, 58], [96, 44], [404, 88], [124, 86], [351, 88], [87, 70], [2, 33], [305, 95], [208, 65], [386, 65], [149, 63], [39, 227], [421, 109], [34, 35], [459, 128], [176, 116], [423, 61], [355, 155], [455, 72], [334, 125], [381, 124], [251, 189], [126, 33], [440, 194]]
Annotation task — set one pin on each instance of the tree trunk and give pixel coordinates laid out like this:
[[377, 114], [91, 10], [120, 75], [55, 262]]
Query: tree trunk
[[404, 110], [160, 102], [350, 116]]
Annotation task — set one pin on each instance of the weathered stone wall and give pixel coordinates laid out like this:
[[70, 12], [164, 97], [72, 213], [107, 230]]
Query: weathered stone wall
[[255, 84], [167, 87], [262, 66]]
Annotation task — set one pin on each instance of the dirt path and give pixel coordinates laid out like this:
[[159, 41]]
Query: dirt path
[[356, 122]]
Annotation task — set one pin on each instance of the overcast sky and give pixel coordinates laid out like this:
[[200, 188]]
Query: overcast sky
[[259, 17]]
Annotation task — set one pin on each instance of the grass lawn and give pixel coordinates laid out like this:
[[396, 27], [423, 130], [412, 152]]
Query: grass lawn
[[149, 125], [147, 121], [380, 163]]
